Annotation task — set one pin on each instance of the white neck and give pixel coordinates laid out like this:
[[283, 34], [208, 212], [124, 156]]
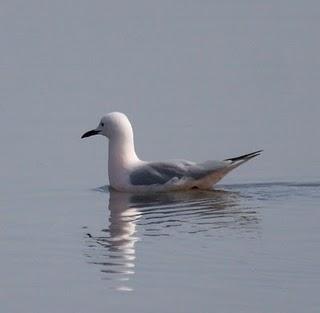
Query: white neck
[[122, 156], [121, 151]]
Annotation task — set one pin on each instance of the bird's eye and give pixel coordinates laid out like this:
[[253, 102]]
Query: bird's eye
[[102, 124]]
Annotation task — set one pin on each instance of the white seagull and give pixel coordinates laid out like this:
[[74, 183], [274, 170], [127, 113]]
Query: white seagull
[[128, 173]]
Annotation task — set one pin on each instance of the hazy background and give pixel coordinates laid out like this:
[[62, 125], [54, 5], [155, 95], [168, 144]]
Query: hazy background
[[199, 80]]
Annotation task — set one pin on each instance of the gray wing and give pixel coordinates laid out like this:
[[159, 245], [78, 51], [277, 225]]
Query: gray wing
[[161, 172]]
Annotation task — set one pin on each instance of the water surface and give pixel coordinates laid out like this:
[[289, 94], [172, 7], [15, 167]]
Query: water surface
[[243, 247]]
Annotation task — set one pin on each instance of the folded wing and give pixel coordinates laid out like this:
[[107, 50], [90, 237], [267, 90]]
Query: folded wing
[[158, 173]]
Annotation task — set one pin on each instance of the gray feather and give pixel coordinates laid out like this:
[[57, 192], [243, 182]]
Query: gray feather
[[161, 172]]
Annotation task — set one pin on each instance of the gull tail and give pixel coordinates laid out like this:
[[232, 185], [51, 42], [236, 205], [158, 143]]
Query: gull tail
[[237, 161], [244, 158], [228, 165]]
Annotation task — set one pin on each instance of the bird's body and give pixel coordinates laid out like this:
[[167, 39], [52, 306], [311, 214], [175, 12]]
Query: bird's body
[[130, 174]]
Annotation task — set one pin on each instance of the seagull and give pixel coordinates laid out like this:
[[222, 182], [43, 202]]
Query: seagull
[[127, 173]]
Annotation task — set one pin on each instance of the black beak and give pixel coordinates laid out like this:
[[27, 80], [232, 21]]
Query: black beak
[[90, 133]]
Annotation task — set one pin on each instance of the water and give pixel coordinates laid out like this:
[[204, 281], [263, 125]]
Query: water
[[243, 247]]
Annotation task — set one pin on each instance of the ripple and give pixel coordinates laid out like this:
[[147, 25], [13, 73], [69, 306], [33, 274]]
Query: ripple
[[133, 217]]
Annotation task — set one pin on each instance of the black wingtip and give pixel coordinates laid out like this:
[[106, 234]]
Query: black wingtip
[[245, 156]]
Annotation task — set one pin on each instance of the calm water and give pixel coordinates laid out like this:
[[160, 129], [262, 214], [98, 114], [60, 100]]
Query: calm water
[[241, 248]]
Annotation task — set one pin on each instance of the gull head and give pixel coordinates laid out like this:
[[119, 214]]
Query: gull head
[[112, 125]]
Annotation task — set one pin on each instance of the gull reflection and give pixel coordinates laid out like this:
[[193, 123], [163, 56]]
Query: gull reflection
[[118, 240], [162, 214]]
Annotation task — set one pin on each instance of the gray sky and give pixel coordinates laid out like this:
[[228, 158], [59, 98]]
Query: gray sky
[[199, 79]]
